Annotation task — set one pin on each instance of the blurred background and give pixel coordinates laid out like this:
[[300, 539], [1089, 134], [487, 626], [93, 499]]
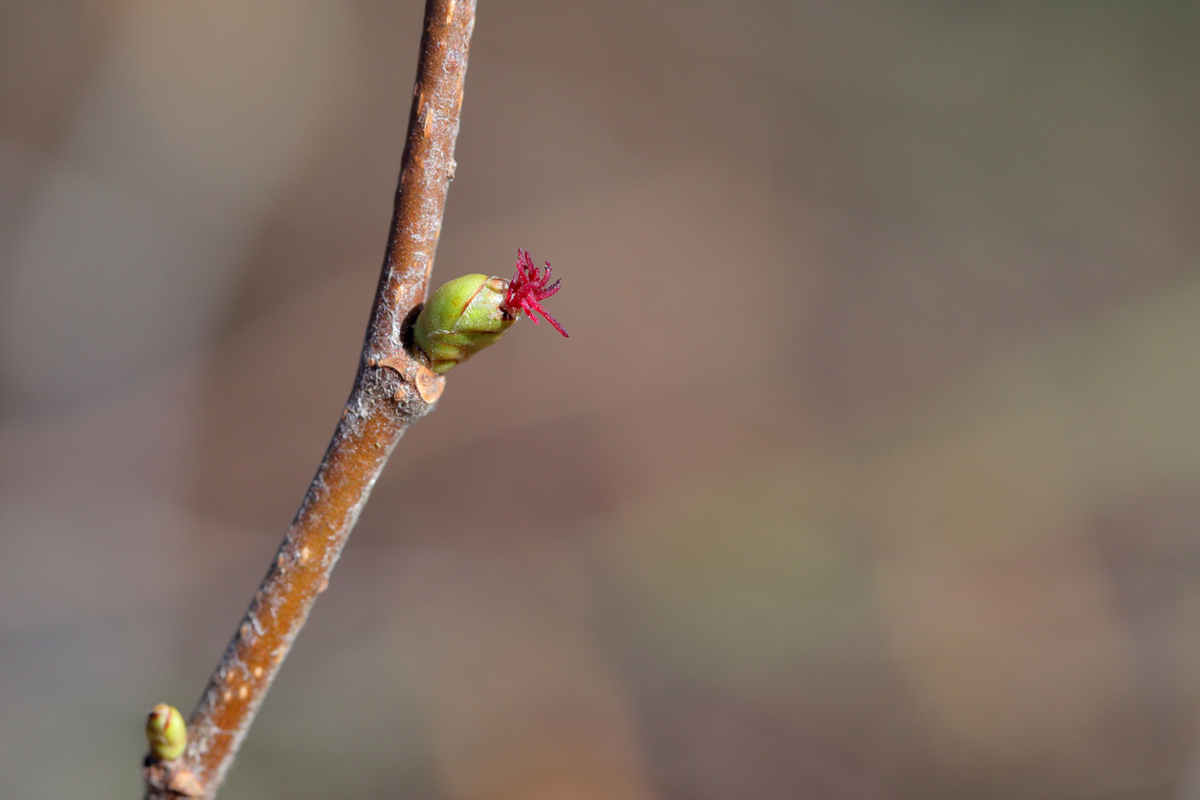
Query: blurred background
[[871, 468]]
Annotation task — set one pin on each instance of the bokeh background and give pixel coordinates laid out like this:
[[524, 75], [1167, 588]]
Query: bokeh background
[[871, 468]]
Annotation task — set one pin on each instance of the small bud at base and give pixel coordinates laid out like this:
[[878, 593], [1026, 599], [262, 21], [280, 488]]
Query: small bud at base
[[166, 732]]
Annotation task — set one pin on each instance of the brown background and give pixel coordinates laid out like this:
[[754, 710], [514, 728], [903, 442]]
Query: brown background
[[871, 468]]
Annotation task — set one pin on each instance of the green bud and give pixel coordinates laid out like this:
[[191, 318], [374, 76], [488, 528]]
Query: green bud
[[461, 318], [469, 313], [166, 731]]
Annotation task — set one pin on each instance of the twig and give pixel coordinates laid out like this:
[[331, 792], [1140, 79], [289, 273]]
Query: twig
[[392, 389]]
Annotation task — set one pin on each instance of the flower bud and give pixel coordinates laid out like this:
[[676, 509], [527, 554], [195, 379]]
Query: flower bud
[[166, 731], [469, 313], [461, 318]]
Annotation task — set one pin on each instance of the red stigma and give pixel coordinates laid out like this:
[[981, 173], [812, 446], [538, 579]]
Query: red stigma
[[528, 288]]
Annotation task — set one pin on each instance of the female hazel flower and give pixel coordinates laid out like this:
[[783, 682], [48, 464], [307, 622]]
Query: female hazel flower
[[469, 313]]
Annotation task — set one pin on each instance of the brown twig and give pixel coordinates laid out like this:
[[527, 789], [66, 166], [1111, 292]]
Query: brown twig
[[393, 388]]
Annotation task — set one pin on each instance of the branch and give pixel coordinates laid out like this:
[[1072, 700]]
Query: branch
[[392, 389]]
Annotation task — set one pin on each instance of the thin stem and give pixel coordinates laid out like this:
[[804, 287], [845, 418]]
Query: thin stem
[[392, 389]]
